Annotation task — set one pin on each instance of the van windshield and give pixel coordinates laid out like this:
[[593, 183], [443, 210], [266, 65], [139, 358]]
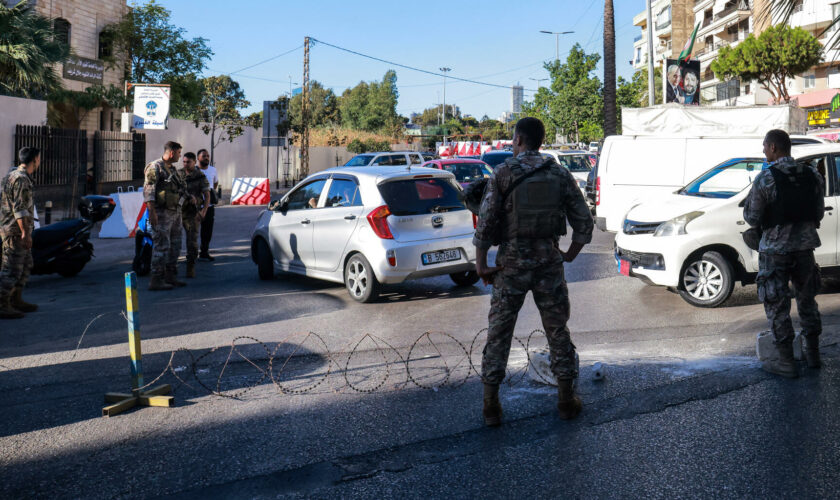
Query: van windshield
[[726, 180]]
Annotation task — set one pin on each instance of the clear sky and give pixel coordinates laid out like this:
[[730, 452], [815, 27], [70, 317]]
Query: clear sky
[[489, 40]]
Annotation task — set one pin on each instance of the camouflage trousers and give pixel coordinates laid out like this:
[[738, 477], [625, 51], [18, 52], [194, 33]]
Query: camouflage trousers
[[775, 271], [548, 286], [166, 237], [192, 228], [17, 264]]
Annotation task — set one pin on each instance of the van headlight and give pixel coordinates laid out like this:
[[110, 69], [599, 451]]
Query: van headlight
[[676, 225]]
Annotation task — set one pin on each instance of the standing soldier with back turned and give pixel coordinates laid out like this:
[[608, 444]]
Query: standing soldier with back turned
[[787, 203], [16, 225], [524, 211], [165, 192], [195, 208]]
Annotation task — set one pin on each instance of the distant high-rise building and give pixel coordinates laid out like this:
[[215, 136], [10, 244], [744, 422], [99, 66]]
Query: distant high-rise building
[[516, 97]]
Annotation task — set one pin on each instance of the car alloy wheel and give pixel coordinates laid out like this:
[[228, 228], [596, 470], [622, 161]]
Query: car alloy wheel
[[359, 279], [707, 280]]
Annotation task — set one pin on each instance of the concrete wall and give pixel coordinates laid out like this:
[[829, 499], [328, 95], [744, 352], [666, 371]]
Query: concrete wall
[[17, 111]]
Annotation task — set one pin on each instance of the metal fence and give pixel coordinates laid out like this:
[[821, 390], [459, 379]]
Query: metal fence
[[118, 156], [63, 153]]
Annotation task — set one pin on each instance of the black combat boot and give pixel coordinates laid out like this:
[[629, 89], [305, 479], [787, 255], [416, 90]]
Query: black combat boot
[[492, 407], [811, 350], [569, 404], [171, 278], [783, 364], [158, 283], [7, 311], [18, 303], [190, 269]]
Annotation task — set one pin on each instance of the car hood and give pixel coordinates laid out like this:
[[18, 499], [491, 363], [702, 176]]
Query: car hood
[[674, 205]]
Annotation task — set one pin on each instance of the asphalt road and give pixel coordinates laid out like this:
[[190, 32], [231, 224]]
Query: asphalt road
[[289, 388]]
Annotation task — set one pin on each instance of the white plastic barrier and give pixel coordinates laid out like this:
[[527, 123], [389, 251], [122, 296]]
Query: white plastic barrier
[[123, 222], [250, 191]]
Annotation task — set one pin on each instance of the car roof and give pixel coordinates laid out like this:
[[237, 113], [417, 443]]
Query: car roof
[[566, 151], [814, 149], [384, 172]]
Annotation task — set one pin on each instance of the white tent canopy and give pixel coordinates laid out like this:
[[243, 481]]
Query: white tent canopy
[[680, 120]]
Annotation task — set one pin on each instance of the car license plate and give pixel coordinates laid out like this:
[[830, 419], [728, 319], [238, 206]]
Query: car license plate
[[441, 256], [624, 267]]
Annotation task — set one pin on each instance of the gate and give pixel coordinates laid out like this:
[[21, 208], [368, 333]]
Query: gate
[[118, 157], [63, 153]]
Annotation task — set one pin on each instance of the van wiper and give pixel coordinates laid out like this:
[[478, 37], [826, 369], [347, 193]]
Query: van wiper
[[439, 208]]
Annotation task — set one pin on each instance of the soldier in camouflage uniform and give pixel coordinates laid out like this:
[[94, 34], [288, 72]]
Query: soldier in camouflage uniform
[[787, 202], [195, 208], [17, 210], [524, 211], [165, 192]]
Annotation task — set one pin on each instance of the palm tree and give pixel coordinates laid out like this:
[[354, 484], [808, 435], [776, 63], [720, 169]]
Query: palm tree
[[610, 122], [28, 52], [781, 10]]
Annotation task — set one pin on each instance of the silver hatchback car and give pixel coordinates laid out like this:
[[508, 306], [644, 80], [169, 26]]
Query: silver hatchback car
[[367, 226]]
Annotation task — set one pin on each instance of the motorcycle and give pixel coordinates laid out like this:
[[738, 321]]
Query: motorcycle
[[63, 247]]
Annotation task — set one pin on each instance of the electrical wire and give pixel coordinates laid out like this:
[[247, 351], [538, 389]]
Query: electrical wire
[[267, 60], [404, 66]]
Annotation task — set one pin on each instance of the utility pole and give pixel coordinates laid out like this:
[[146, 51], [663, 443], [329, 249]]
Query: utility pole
[[304, 141], [651, 87], [445, 71], [556, 41]]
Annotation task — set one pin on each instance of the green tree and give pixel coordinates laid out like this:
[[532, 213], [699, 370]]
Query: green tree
[[431, 116], [218, 110], [79, 104], [158, 52], [323, 108], [359, 146], [372, 106], [779, 53], [28, 52]]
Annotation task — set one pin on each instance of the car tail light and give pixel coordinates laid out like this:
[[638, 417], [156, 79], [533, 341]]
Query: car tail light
[[392, 258], [378, 220], [597, 191], [475, 221]]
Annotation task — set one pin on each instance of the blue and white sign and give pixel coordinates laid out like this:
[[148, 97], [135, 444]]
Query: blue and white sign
[[151, 107]]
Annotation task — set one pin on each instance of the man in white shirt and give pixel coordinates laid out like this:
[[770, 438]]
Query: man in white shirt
[[207, 222]]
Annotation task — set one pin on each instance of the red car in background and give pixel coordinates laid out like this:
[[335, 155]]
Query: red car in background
[[466, 170]]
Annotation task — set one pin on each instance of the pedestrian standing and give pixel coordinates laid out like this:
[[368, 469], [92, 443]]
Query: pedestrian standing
[[195, 208], [787, 203], [524, 211], [17, 211], [165, 193], [207, 221]]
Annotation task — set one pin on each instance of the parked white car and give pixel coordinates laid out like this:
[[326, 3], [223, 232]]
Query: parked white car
[[367, 226], [594, 147], [386, 158], [690, 240], [579, 163]]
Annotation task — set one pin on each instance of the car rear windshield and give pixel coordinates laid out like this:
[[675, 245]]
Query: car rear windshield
[[467, 172], [575, 163], [421, 196], [359, 161]]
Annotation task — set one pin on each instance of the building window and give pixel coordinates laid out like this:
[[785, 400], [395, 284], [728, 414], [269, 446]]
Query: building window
[[61, 27], [809, 81], [106, 44]]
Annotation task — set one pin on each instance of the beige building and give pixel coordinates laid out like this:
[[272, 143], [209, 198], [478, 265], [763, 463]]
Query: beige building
[[81, 23]]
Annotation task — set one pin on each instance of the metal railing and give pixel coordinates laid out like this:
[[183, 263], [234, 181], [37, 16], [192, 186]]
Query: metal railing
[[63, 153], [118, 156]]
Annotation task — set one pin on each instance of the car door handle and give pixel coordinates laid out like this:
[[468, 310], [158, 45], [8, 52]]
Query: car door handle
[[349, 217], [305, 221], [829, 208]]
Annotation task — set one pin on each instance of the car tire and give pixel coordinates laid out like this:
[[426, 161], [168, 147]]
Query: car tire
[[466, 278], [359, 279], [265, 262], [707, 280]]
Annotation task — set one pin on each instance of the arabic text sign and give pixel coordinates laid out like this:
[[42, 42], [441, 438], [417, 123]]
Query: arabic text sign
[[84, 70], [151, 107]]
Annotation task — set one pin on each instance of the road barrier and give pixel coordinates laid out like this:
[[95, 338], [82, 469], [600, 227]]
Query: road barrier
[[250, 191], [128, 211]]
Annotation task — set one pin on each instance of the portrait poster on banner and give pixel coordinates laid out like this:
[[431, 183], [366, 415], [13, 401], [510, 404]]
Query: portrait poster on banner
[[151, 107], [682, 82]]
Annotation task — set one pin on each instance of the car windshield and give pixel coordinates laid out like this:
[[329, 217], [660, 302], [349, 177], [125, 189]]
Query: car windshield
[[421, 196], [494, 159], [359, 161], [575, 163], [726, 180], [468, 172]]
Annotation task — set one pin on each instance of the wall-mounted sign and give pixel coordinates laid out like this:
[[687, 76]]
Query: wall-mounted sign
[[84, 70], [819, 117], [835, 103], [151, 107]]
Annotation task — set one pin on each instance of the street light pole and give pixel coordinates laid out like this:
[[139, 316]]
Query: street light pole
[[445, 70], [538, 80], [651, 88], [556, 41]]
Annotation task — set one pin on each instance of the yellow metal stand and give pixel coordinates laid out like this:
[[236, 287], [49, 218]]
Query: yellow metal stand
[[158, 396]]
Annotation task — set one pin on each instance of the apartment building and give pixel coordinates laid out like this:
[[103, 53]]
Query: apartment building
[[728, 23], [80, 24], [671, 28]]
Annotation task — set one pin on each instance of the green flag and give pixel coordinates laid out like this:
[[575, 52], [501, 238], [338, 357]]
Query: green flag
[[685, 55]]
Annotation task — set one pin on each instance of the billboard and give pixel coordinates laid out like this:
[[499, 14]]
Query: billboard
[[682, 82], [275, 122], [151, 107]]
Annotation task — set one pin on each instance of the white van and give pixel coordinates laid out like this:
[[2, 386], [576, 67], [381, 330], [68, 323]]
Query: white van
[[634, 169], [691, 240]]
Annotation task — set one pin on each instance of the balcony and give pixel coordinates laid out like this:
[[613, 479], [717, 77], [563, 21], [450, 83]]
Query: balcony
[[663, 25], [637, 38], [732, 14], [812, 15]]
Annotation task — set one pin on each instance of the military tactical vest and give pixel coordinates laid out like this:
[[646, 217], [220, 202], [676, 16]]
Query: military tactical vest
[[796, 198], [169, 188], [536, 204]]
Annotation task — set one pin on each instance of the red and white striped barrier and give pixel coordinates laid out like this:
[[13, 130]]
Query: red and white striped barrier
[[128, 212], [250, 191]]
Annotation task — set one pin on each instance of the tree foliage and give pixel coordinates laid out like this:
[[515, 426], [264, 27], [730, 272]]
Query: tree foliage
[[358, 146], [218, 110], [431, 116], [158, 52], [28, 52], [776, 55], [323, 108], [372, 106], [78, 104]]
